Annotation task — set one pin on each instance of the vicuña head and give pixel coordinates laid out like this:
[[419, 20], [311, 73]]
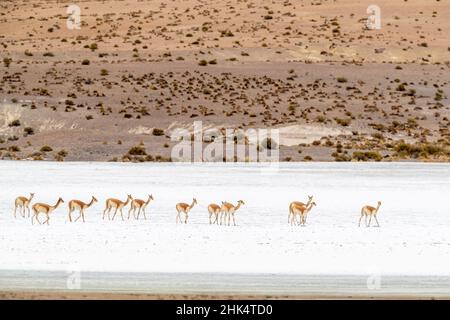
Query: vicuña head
[[194, 201], [241, 202], [150, 196]]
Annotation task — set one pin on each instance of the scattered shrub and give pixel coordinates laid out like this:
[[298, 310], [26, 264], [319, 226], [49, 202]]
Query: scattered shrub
[[14, 123], [28, 131], [158, 132], [366, 156], [269, 143], [137, 151], [46, 149], [414, 151], [7, 61], [343, 122]]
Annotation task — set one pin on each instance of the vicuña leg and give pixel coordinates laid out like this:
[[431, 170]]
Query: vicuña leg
[[104, 213], [294, 220], [129, 213], [376, 220], [359, 222], [304, 216], [115, 212]]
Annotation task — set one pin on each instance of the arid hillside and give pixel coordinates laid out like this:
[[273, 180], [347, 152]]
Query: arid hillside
[[115, 88]]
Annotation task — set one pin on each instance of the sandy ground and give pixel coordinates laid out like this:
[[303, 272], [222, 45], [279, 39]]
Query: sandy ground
[[309, 69], [8, 295], [13, 295], [59, 284]]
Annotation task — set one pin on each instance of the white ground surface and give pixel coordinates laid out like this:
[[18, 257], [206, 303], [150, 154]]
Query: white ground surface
[[414, 237]]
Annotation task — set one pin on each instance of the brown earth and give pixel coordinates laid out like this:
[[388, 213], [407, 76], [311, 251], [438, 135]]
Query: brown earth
[[54, 295], [336, 90]]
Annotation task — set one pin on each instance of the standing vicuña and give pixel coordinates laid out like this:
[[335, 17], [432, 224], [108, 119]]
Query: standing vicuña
[[214, 209], [23, 204], [140, 205], [228, 210], [302, 211], [297, 204], [80, 206], [185, 208], [117, 204], [371, 212], [44, 208]]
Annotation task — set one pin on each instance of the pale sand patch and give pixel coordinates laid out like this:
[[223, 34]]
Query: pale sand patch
[[8, 112], [52, 125], [292, 135], [296, 134], [141, 130]]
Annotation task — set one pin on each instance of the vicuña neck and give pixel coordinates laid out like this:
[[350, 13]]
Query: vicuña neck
[[90, 203], [57, 204]]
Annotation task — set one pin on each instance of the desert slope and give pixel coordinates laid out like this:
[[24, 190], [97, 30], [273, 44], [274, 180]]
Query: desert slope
[[336, 90]]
